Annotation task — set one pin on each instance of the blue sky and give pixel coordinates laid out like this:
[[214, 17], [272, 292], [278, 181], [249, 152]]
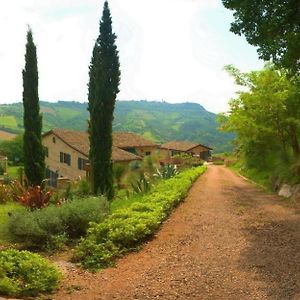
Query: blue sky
[[172, 50]]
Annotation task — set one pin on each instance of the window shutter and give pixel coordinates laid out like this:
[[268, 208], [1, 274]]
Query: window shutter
[[61, 157]]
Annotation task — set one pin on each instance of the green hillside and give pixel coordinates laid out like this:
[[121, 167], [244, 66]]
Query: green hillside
[[159, 121]]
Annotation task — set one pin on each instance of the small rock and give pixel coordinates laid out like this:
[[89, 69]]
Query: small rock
[[285, 191]]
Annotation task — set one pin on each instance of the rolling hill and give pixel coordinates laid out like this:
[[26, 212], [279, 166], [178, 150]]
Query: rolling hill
[[160, 121]]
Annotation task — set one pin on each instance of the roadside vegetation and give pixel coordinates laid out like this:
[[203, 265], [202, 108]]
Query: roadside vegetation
[[126, 228], [266, 117]]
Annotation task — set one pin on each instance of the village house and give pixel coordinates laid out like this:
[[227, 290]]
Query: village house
[[173, 148], [67, 151]]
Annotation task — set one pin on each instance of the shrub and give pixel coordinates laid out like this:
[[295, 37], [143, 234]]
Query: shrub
[[218, 162], [125, 229], [2, 171], [35, 197], [52, 226], [118, 172], [23, 273]]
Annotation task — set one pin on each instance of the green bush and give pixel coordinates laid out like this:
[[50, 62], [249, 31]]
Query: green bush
[[125, 229], [48, 228], [218, 162], [23, 273]]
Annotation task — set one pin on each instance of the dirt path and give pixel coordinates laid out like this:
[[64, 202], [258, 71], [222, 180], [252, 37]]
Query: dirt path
[[228, 240]]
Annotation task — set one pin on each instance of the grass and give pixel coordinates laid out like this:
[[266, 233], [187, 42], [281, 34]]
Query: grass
[[4, 210], [12, 172], [259, 177], [8, 121]]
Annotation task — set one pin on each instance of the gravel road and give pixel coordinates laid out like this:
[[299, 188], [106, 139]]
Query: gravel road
[[228, 240]]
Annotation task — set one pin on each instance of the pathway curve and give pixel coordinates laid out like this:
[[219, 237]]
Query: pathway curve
[[228, 240]]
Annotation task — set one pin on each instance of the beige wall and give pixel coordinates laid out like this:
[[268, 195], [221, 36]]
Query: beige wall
[[53, 160], [166, 154], [197, 150], [141, 151]]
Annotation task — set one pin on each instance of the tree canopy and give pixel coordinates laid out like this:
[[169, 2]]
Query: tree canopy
[[271, 25]]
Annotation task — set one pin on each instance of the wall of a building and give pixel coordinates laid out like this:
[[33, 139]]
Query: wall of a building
[[53, 160], [199, 149]]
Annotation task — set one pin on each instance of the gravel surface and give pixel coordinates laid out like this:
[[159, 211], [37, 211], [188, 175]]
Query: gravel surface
[[228, 240]]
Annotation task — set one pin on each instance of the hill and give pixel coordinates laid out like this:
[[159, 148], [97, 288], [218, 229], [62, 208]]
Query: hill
[[159, 121]]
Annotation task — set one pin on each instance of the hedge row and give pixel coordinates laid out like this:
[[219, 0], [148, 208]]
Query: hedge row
[[125, 229]]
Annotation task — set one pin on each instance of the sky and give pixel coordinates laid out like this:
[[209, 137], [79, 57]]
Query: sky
[[171, 50]]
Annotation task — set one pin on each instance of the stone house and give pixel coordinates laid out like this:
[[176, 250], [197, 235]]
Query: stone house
[[170, 149], [67, 151]]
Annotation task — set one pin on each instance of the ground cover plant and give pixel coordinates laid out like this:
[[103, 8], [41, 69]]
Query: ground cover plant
[[126, 228], [26, 274]]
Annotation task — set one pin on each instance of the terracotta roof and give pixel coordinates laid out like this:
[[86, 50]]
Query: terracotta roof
[[182, 146], [130, 139], [79, 141]]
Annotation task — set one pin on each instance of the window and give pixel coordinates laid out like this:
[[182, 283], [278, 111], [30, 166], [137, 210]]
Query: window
[[148, 153], [54, 140], [46, 151], [82, 163], [65, 158], [131, 150]]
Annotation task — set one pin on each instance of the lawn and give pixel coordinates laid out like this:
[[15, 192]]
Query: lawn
[[12, 172]]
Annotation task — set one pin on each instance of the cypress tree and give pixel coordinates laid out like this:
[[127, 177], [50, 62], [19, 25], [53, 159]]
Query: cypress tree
[[103, 89], [34, 157]]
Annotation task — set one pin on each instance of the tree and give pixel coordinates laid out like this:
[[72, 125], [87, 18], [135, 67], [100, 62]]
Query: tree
[[266, 115], [34, 157], [104, 83], [13, 149], [271, 25]]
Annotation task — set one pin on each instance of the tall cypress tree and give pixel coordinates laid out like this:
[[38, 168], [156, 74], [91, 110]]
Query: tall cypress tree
[[34, 157], [103, 89]]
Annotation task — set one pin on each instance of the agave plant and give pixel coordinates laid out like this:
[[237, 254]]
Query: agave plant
[[166, 172], [142, 185]]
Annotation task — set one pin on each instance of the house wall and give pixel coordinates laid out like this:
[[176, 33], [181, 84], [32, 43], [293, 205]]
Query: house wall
[[200, 151], [53, 160], [142, 151]]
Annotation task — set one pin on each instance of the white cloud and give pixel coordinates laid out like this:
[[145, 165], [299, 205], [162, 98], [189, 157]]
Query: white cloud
[[169, 49]]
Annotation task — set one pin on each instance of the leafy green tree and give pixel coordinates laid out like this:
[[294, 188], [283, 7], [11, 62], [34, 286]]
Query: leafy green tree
[[265, 115], [13, 149], [103, 89], [271, 25], [34, 157]]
